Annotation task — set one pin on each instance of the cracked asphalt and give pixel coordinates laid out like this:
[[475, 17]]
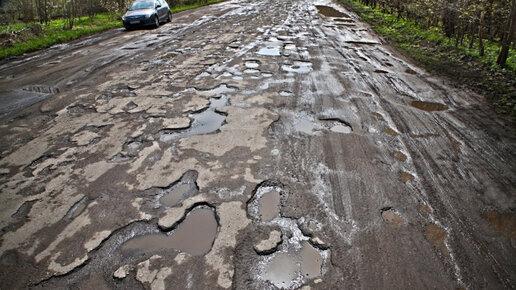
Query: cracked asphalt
[[249, 145]]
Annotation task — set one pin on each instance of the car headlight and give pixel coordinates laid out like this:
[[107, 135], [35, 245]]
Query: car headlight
[[123, 18], [148, 15]]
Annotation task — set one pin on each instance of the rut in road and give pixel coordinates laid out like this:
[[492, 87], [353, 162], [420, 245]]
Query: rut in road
[[310, 152]]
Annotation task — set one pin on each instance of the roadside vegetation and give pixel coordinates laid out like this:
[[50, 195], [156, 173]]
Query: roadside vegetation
[[28, 25], [470, 42]]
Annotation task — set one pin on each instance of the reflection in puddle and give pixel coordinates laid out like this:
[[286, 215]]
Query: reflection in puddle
[[341, 129], [330, 11], [195, 235], [205, 122], [252, 64], [298, 67], [251, 71], [284, 268], [269, 204], [429, 106], [269, 51], [281, 270], [178, 193]]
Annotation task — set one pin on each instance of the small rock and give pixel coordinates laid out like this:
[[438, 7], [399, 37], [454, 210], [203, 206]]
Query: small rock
[[270, 245], [122, 272], [316, 241]]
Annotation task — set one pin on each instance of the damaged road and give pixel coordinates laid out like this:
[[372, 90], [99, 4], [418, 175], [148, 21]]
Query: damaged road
[[249, 145]]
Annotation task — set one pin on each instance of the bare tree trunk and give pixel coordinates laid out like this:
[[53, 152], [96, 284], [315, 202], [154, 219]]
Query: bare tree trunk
[[508, 36], [480, 30]]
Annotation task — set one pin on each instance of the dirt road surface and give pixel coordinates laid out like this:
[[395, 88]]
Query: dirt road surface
[[249, 145]]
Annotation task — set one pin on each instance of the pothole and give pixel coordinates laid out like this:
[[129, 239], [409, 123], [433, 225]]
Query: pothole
[[175, 194], [265, 204], [338, 125], [251, 71], [205, 122], [301, 67], [269, 51], [287, 262], [428, 106], [194, 235], [503, 222], [330, 11], [252, 64], [392, 217], [405, 176]]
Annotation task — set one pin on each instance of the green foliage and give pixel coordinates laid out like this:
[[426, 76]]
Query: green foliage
[[53, 33], [183, 7]]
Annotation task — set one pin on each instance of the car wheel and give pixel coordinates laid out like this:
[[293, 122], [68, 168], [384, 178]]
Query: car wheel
[[156, 21], [169, 19]]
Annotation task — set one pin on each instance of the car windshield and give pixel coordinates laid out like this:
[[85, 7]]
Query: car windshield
[[142, 5]]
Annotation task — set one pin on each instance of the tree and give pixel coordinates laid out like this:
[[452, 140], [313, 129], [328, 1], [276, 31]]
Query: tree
[[508, 36]]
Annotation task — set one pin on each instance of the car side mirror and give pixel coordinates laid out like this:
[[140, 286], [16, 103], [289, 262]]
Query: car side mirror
[[158, 5]]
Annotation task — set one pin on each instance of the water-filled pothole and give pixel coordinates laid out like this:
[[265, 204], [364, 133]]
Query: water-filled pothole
[[330, 11], [252, 64], [195, 235], [265, 205], [181, 190], [284, 269], [301, 67], [428, 106], [269, 204], [205, 122]]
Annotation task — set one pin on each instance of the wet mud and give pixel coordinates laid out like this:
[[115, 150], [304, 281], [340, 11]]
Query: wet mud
[[249, 145]]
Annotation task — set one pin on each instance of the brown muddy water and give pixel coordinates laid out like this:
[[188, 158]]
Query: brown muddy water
[[195, 235], [428, 106]]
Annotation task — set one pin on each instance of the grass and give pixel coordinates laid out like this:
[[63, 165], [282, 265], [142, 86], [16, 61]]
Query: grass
[[53, 33], [437, 53], [29, 38]]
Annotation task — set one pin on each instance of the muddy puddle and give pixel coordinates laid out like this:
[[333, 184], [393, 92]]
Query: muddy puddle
[[178, 194], [205, 122], [195, 235], [330, 11], [269, 205], [391, 217], [405, 176], [429, 106], [300, 67], [285, 269], [503, 222], [436, 236], [265, 205], [400, 156]]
